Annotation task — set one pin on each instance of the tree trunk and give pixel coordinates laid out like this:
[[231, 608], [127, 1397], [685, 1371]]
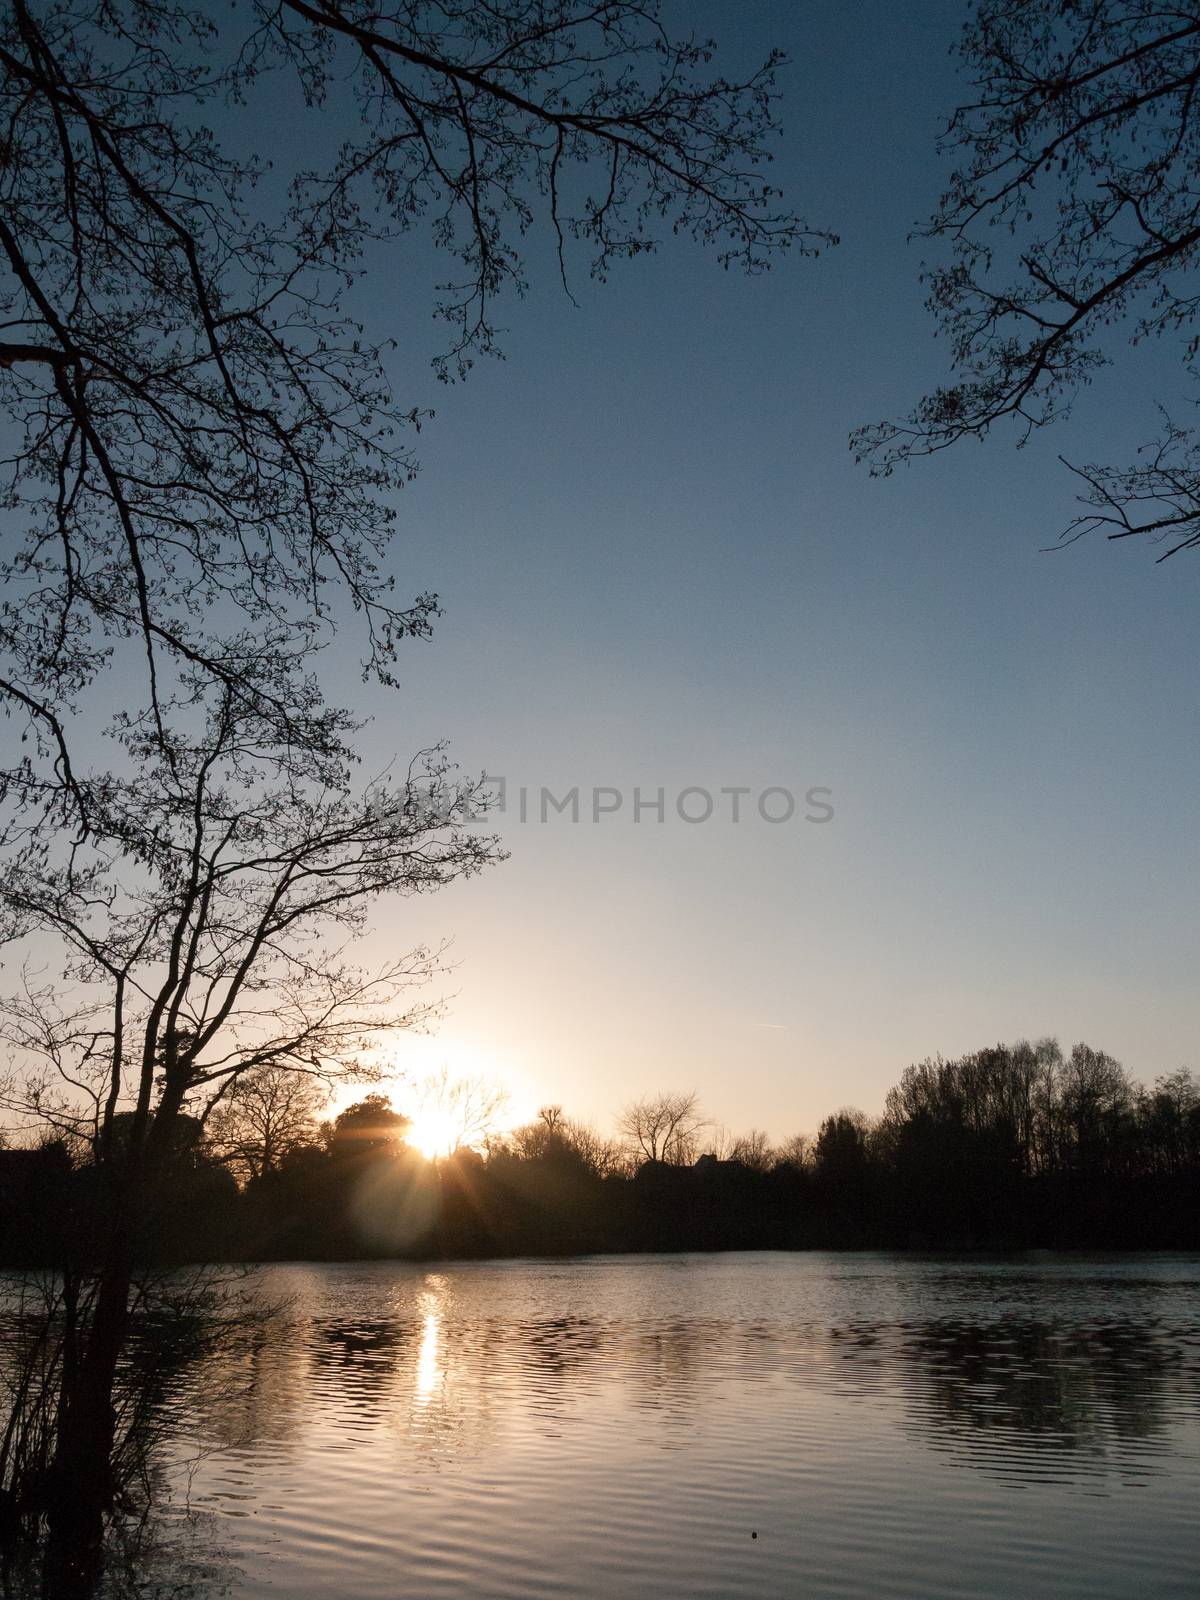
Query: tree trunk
[[82, 1482]]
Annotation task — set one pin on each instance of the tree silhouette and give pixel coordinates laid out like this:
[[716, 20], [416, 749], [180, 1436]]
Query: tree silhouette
[[663, 1127], [754, 1150], [466, 1107], [367, 1127], [207, 446], [270, 1112], [201, 485], [1073, 207], [203, 921]]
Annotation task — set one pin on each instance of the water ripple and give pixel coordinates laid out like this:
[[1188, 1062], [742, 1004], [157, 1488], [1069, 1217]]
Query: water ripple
[[702, 1426]]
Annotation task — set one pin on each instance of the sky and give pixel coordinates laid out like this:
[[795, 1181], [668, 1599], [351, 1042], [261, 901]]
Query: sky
[[661, 568]]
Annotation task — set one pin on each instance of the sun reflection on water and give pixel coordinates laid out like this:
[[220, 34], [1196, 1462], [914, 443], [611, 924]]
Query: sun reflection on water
[[429, 1369]]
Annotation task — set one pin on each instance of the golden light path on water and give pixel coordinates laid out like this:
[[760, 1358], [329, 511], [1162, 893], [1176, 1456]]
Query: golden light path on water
[[428, 1369]]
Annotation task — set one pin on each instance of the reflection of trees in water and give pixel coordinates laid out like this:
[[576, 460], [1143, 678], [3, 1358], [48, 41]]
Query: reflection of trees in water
[[668, 1371], [181, 1321], [252, 1388], [558, 1356], [413, 1371], [356, 1364], [446, 1374], [367, 1347], [668, 1368], [426, 1370], [1045, 1401], [669, 1363], [152, 1559], [446, 1382]]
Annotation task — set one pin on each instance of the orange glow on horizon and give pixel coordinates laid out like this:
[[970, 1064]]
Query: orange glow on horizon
[[434, 1130], [433, 1133]]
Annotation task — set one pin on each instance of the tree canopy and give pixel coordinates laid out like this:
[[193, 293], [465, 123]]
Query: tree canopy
[[1072, 212], [204, 447]]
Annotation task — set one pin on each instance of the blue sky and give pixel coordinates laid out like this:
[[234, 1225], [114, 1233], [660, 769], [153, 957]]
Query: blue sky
[[661, 567]]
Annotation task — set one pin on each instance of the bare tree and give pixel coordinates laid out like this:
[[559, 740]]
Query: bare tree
[[796, 1151], [1170, 1112], [551, 1118], [841, 1148], [605, 1157], [193, 928], [663, 1127], [270, 1111], [201, 480], [533, 1141], [202, 438], [1095, 1098], [552, 1132], [466, 1108], [1074, 207], [719, 1142], [203, 921], [754, 1150]]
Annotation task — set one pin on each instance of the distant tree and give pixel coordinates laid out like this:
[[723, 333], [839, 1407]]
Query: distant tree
[[718, 1141], [368, 1127], [554, 1136], [269, 1112], [796, 1151], [1073, 207], [467, 1107], [754, 1150], [605, 1157], [533, 1140], [994, 1097], [841, 1151], [1170, 1116], [1096, 1099], [664, 1127]]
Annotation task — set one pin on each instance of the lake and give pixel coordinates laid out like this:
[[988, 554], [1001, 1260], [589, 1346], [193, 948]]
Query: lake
[[758, 1425]]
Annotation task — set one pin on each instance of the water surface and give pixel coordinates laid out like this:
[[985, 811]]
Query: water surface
[[817, 1425]]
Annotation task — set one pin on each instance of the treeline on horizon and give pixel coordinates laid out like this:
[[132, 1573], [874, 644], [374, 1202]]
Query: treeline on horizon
[[1013, 1147]]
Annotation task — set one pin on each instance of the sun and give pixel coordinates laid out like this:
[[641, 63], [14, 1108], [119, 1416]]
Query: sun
[[433, 1132], [442, 1086]]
